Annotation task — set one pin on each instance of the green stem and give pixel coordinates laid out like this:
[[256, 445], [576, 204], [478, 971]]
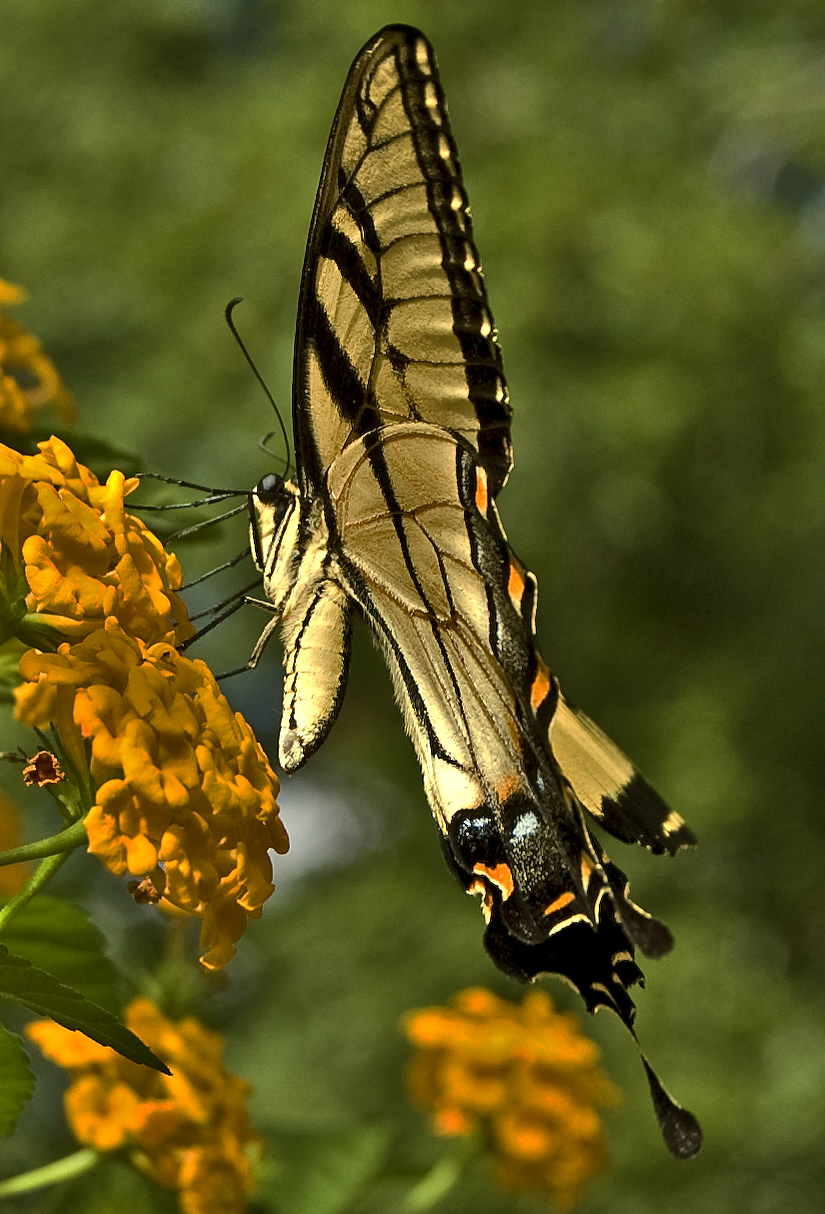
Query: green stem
[[443, 1176], [66, 840], [51, 1173], [40, 877]]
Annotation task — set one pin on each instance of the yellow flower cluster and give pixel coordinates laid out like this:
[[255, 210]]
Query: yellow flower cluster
[[525, 1075], [184, 794], [28, 379], [188, 1131], [180, 792], [78, 556]]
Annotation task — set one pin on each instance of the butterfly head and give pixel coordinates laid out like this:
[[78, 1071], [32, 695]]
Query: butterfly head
[[269, 489]]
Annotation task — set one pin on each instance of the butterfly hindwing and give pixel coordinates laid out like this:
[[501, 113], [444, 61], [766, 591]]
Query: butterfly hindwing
[[432, 574], [402, 434]]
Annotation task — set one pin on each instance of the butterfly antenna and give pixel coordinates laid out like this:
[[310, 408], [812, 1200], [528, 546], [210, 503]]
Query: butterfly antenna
[[218, 496], [173, 480], [262, 446], [230, 308]]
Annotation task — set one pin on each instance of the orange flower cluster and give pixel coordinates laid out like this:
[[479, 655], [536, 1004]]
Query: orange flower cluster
[[184, 795], [526, 1075], [79, 557], [188, 1131], [178, 789], [28, 379]]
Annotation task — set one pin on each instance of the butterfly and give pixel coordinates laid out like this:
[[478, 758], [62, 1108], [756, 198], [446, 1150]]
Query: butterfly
[[402, 444]]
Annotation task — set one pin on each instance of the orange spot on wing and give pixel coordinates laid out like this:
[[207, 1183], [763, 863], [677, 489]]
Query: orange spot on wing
[[482, 495], [560, 903], [541, 687], [508, 787], [515, 585], [500, 876]]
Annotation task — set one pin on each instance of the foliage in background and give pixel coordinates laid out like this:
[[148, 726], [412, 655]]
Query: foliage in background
[[648, 189]]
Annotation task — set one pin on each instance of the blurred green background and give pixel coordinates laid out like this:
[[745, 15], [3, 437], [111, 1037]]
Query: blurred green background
[[648, 189]]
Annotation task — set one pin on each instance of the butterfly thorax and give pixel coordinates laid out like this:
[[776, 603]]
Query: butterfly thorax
[[290, 542]]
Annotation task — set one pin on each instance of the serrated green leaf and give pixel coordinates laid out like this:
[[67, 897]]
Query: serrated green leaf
[[59, 937], [16, 1080], [41, 992]]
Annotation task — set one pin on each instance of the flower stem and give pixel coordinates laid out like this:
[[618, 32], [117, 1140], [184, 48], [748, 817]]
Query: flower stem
[[66, 840], [51, 1173], [40, 877], [443, 1176]]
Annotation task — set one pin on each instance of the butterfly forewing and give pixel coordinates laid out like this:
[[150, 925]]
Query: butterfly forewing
[[394, 323], [401, 423]]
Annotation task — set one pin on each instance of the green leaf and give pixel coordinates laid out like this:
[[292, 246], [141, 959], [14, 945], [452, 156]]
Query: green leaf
[[60, 938], [16, 1082], [333, 1171], [42, 993]]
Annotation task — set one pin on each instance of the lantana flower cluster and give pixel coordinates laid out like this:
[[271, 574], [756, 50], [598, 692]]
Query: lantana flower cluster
[[188, 1131], [28, 378], [178, 791], [523, 1075], [73, 557]]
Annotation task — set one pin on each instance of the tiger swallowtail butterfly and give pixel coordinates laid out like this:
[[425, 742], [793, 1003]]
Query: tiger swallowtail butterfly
[[402, 444]]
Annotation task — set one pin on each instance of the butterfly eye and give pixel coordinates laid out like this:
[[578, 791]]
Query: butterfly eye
[[269, 489]]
